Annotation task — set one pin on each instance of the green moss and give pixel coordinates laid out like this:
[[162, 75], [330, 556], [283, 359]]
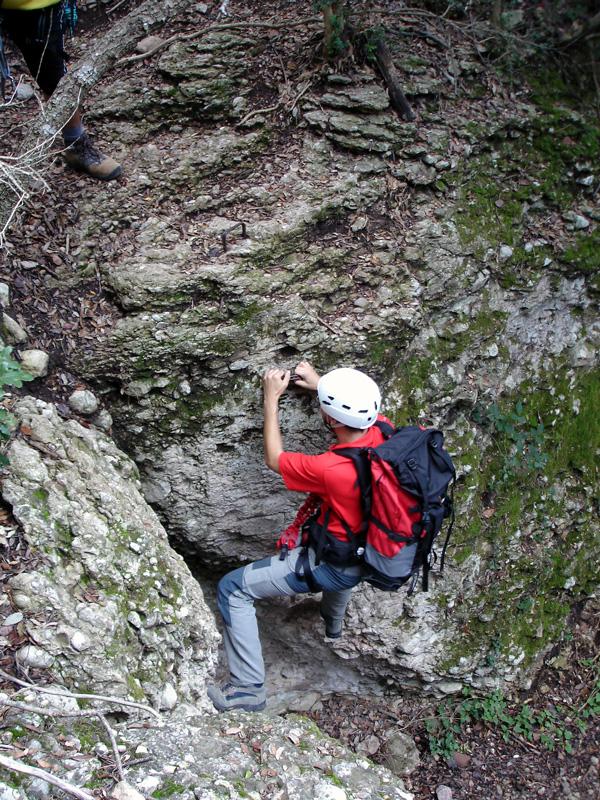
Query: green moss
[[135, 690], [584, 252], [334, 779], [522, 176], [532, 580], [247, 313], [39, 497], [87, 732], [168, 789], [64, 536]]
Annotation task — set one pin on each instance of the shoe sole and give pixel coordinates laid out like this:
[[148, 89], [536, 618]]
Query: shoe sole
[[116, 173], [259, 707]]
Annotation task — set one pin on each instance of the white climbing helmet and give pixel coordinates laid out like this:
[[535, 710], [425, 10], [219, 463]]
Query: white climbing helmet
[[350, 397]]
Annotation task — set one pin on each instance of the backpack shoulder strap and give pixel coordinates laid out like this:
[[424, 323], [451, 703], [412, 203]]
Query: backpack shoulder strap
[[386, 428], [358, 456]]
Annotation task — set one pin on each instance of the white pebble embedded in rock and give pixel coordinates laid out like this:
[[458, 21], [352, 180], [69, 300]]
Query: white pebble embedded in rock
[[148, 43], [505, 252], [79, 641], [168, 698], [32, 656]]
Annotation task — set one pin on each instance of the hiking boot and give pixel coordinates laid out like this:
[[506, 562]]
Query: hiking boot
[[84, 157], [333, 627], [238, 698]]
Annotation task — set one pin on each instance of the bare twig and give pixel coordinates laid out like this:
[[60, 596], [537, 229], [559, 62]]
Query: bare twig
[[257, 111], [55, 712], [113, 742], [276, 107], [77, 696], [36, 772], [300, 95], [326, 324], [112, 9]]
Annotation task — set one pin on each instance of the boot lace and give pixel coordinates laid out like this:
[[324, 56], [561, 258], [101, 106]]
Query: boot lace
[[88, 153]]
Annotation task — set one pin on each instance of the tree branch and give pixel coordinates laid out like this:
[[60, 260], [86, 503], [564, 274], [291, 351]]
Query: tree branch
[[55, 712], [35, 772], [386, 66], [103, 698]]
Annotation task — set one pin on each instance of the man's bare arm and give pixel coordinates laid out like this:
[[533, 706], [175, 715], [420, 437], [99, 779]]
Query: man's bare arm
[[275, 382]]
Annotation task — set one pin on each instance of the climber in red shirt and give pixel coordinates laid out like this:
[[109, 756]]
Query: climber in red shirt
[[350, 405]]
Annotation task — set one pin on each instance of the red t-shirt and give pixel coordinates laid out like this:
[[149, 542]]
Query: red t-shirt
[[331, 477]]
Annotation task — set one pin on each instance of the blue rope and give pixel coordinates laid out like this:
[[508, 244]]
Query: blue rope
[[71, 16], [5, 76]]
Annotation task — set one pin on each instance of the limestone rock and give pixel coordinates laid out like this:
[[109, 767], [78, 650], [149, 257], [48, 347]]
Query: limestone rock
[[24, 91], [35, 362], [125, 791], [83, 509], [254, 262], [401, 753], [34, 657], [148, 43], [13, 332], [82, 401], [4, 294], [103, 420]]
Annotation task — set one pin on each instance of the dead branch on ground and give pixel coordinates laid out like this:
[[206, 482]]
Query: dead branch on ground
[[35, 772], [79, 696]]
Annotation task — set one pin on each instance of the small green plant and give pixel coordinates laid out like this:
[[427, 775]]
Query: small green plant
[[552, 726], [525, 450], [11, 374], [442, 731]]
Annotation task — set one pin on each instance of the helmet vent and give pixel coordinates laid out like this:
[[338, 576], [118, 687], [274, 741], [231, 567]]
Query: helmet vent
[[326, 403], [363, 410], [348, 408]]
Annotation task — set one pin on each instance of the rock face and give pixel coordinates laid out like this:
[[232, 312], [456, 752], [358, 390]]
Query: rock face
[[127, 618], [187, 755], [353, 239]]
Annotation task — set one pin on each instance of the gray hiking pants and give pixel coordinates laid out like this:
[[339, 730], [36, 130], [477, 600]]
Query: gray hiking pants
[[272, 577]]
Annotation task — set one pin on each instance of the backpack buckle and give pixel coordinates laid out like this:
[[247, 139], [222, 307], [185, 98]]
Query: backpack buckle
[[411, 463]]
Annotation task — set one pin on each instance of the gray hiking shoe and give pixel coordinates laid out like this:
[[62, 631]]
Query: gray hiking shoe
[[84, 157], [238, 698]]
